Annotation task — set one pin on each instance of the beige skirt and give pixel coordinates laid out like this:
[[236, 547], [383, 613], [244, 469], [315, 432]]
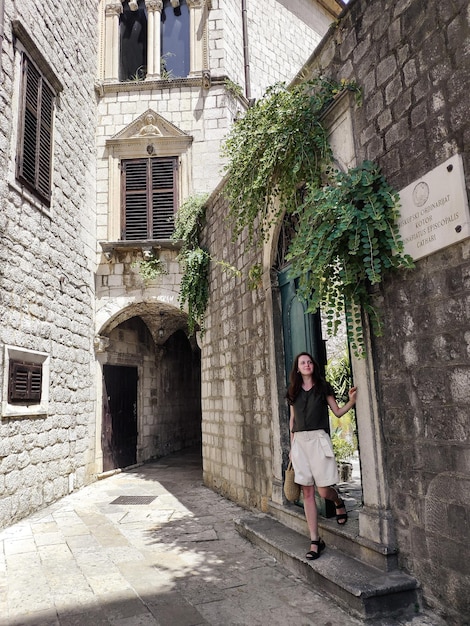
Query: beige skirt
[[313, 459]]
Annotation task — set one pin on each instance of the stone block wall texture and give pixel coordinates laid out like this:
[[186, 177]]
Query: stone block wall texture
[[281, 37], [236, 426], [412, 61], [46, 261]]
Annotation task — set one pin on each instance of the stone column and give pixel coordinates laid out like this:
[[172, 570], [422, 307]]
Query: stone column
[[198, 35], [113, 10], [154, 10]]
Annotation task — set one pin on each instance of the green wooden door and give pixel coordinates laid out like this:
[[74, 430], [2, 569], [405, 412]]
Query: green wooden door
[[301, 330]]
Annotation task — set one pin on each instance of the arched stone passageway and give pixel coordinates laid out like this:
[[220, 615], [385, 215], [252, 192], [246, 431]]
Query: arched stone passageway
[[149, 384]]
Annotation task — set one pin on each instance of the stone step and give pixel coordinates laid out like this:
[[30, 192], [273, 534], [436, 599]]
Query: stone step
[[344, 538], [362, 590]]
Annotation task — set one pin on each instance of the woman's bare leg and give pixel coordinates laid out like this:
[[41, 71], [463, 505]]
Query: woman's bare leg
[[311, 513]]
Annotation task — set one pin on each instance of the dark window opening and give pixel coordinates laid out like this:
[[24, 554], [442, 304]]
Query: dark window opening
[[34, 160], [133, 42], [25, 383], [175, 40], [149, 193]]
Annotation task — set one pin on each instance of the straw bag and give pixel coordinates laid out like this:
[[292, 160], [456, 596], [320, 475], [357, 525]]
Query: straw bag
[[291, 488]]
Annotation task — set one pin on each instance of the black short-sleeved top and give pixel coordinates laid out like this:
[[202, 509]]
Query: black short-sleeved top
[[311, 410]]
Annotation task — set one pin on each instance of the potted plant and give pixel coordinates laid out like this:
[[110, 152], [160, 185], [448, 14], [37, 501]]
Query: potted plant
[[343, 450]]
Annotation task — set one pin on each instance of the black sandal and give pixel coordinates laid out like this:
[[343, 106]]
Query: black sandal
[[341, 516], [312, 555]]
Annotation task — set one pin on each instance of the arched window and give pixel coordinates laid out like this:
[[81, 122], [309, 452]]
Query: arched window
[[133, 41], [175, 58]]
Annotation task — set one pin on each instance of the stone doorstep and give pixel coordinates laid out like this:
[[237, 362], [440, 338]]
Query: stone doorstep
[[362, 590], [344, 538]]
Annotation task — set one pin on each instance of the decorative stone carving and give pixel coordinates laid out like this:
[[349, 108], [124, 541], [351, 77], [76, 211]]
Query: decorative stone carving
[[100, 343], [149, 129], [206, 79], [154, 5], [113, 8]]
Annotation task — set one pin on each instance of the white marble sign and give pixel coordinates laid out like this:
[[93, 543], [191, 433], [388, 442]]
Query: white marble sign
[[434, 210]]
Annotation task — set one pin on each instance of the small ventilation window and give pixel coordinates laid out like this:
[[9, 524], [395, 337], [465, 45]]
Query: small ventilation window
[[25, 383]]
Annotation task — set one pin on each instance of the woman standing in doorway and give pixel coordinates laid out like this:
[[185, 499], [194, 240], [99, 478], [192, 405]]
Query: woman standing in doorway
[[309, 396]]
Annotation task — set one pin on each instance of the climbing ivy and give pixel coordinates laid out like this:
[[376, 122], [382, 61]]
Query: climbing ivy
[[273, 149], [347, 234], [194, 260]]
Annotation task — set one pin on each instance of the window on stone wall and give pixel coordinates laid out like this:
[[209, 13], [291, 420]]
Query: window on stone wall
[[149, 198], [25, 381], [26, 391], [133, 42], [34, 156], [175, 40]]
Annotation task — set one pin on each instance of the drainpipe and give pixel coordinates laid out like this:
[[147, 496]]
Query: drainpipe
[[246, 57], [2, 19]]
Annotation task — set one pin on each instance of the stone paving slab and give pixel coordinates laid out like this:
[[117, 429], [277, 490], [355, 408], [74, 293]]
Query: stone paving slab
[[177, 561]]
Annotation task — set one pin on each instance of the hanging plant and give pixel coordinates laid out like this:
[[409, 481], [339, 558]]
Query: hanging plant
[[273, 149], [194, 288], [151, 269], [346, 239], [194, 260], [347, 234]]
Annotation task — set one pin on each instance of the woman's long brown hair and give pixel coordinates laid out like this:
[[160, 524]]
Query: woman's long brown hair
[[295, 379]]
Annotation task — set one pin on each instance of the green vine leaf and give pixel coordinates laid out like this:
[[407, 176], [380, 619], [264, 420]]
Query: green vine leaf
[[151, 269], [347, 237], [279, 161], [194, 288], [195, 260], [273, 149], [190, 220]]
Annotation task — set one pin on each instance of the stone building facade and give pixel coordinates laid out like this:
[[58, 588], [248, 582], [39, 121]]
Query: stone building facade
[[173, 118], [47, 251], [94, 358], [100, 111], [411, 60]]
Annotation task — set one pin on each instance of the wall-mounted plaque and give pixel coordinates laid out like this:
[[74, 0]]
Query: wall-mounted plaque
[[434, 210]]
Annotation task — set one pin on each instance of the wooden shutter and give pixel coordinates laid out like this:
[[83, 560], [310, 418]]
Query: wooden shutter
[[149, 198], [163, 197], [35, 151], [25, 382], [135, 184]]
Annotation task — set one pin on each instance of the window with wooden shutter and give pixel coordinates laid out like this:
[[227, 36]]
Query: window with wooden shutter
[[149, 193], [25, 382], [34, 159]]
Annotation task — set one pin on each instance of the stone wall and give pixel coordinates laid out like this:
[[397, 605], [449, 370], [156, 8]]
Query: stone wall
[[412, 62], [46, 260], [236, 428], [281, 36]]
